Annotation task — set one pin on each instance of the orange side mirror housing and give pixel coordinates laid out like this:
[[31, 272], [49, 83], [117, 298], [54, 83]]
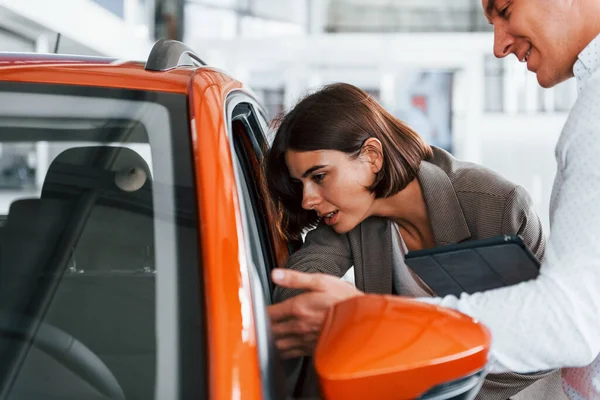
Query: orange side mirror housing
[[388, 347]]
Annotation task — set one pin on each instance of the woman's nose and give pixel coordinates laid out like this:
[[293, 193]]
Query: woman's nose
[[310, 198]]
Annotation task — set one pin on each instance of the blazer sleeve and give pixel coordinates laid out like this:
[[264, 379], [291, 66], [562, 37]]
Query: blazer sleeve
[[519, 218], [323, 251]]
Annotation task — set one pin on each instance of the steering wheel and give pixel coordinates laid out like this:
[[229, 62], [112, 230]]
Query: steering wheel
[[69, 352]]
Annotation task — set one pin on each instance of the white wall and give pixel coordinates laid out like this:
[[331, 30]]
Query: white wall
[[405, 15]]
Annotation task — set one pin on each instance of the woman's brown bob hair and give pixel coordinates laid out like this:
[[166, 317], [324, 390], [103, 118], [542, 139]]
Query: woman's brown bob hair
[[338, 117]]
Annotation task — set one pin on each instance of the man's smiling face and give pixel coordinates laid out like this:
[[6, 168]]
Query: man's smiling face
[[541, 33]]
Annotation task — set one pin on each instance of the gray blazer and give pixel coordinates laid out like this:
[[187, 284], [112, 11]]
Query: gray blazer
[[465, 201]]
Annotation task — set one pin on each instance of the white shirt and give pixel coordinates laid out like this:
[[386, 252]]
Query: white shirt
[[554, 320]]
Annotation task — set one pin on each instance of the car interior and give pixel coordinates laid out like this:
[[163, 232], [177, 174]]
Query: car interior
[[97, 311]]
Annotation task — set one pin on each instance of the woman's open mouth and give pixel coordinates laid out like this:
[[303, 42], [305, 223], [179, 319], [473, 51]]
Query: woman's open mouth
[[331, 218]]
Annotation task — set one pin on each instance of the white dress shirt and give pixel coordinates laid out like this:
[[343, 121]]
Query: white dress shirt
[[554, 320]]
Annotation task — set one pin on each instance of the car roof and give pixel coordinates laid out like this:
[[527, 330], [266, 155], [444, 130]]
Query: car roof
[[98, 71]]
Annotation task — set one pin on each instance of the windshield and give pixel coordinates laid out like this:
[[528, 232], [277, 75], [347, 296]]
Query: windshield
[[100, 290]]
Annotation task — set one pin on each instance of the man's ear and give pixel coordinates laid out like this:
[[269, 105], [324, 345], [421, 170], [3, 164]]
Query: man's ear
[[372, 152]]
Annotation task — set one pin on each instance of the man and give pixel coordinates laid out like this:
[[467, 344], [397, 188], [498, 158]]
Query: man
[[557, 316]]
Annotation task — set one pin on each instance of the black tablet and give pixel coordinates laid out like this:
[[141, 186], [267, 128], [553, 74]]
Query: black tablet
[[475, 265]]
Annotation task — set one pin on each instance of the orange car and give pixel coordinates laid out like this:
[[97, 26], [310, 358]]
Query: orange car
[[135, 248]]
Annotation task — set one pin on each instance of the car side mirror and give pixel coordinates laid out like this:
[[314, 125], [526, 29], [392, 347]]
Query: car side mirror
[[388, 347]]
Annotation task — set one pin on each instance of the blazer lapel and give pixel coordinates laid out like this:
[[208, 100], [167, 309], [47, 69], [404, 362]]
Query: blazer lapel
[[445, 213], [371, 242]]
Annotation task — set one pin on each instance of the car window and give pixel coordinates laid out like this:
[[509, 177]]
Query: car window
[[252, 233], [265, 127], [266, 248], [247, 156], [99, 266]]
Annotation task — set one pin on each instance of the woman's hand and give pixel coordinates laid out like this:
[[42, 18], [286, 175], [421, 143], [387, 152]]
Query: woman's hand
[[297, 322]]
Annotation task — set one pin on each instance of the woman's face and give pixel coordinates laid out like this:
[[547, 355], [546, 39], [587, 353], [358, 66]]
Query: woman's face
[[334, 185]]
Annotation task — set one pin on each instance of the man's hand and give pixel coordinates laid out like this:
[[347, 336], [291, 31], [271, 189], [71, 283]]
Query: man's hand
[[297, 322]]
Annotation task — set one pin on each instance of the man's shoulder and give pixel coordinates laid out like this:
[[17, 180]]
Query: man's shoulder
[[582, 126], [588, 98]]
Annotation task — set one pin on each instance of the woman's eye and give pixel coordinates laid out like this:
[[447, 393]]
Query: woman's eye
[[318, 178]]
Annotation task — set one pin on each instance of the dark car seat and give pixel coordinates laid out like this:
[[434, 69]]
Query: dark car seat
[[101, 198]]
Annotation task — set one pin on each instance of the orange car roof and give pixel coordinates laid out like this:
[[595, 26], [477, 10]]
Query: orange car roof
[[94, 71]]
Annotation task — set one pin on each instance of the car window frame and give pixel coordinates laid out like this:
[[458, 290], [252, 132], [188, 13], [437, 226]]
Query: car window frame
[[242, 107]]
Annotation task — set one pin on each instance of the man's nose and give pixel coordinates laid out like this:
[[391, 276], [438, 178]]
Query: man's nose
[[310, 197], [503, 41]]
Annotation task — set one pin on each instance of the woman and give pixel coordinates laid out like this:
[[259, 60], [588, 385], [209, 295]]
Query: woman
[[372, 189]]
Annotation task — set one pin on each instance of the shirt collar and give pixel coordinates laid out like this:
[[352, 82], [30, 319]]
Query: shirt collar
[[588, 61], [445, 213]]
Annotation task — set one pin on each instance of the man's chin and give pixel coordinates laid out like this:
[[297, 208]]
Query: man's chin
[[546, 84], [547, 81]]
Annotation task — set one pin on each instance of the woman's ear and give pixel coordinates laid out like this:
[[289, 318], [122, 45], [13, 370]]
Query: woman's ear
[[372, 152]]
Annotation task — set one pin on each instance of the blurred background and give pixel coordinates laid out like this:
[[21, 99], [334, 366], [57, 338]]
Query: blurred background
[[429, 62]]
